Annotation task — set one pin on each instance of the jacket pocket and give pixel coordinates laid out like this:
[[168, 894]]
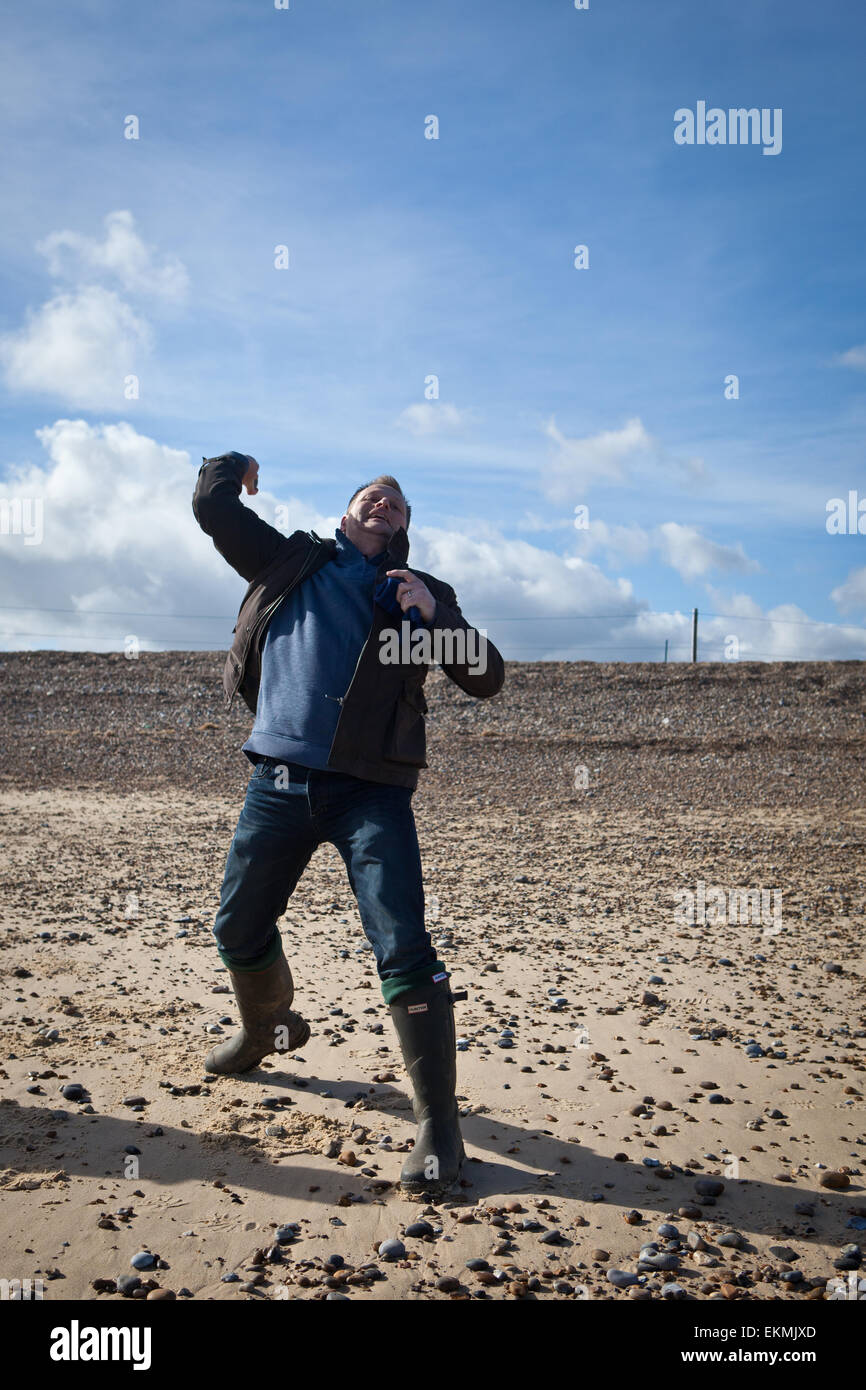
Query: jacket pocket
[[406, 736]]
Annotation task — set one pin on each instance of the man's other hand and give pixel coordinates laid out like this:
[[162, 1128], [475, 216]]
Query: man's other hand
[[413, 593], [251, 477]]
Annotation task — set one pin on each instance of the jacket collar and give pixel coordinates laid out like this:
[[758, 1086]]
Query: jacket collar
[[398, 550], [395, 556]]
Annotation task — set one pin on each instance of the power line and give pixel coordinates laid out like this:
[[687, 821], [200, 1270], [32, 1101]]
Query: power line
[[500, 618], [797, 622], [104, 637], [114, 613]]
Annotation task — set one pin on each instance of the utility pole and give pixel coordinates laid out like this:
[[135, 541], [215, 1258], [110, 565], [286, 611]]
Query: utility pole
[[694, 634]]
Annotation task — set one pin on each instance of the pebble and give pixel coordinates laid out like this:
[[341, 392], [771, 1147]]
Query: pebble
[[673, 1290], [709, 1187], [621, 1279], [730, 1239], [837, 1182], [420, 1228], [392, 1249], [73, 1091], [447, 1284], [144, 1260], [664, 1260], [127, 1283]]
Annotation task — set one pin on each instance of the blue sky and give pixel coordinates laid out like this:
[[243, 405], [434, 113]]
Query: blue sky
[[412, 257]]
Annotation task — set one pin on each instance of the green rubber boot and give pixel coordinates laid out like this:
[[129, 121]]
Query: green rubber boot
[[424, 1020], [268, 1024]]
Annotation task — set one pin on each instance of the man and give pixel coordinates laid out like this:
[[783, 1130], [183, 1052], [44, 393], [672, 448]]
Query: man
[[337, 743]]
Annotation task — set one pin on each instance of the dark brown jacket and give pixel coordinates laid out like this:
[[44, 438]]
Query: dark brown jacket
[[380, 734]]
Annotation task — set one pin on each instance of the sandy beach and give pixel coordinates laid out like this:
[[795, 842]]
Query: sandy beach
[[624, 1064]]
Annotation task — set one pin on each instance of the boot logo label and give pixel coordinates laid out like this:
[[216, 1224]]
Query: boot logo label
[[417, 1009], [443, 976]]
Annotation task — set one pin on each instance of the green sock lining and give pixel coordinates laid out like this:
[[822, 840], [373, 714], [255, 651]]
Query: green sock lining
[[268, 956], [399, 984]]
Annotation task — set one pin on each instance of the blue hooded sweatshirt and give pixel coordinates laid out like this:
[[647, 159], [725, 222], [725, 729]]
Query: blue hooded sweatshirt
[[311, 649]]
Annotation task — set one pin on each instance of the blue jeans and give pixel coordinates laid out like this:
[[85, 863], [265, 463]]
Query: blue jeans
[[288, 812]]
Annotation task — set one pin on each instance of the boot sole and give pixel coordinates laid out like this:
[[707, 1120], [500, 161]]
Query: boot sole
[[431, 1191]]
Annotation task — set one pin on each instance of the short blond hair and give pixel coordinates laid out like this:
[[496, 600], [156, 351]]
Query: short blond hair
[[384, 480]]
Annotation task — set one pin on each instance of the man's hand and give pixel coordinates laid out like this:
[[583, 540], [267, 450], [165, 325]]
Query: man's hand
[[413, 593], [251, 477]]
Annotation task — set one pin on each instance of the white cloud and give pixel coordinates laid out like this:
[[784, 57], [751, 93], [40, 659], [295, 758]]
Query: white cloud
[[578, 464], [613, 458], [83, 342], [621, 544], [78, 347], [121, 254], [683, 548], [692, 555], [533, 523], [425, 418], [854, 357], [851, 596], [535, 604], [782, 633], [118, 533]]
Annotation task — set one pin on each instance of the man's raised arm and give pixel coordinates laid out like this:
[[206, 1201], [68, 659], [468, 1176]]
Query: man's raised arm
[[241, 537], [481, 678]]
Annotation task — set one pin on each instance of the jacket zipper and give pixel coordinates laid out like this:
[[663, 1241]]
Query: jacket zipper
[[272, 606], [341, 699]]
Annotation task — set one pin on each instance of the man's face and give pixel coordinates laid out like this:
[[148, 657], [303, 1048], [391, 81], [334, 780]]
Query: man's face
[[374, 516]]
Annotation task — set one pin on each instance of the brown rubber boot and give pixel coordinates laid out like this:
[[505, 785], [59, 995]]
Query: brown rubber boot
[[268, 1024], [424, 1020]]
